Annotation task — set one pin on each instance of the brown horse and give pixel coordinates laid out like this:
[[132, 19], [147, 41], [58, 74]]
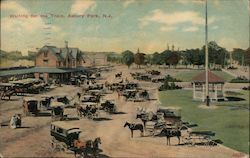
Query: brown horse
[[81, 147], [134, 127]]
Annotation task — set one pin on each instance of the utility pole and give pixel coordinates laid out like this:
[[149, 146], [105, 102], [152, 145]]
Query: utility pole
[[206, 59]]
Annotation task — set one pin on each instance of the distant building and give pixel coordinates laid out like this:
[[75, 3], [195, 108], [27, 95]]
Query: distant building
[[95, 59], [57, 63]]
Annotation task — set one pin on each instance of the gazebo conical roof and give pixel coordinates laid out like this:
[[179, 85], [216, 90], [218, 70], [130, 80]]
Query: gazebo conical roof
[[212, 78]]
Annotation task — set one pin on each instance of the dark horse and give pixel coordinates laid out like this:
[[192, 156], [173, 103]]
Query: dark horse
[[169, 132], [134, 127], [118, 75], [95, 146]]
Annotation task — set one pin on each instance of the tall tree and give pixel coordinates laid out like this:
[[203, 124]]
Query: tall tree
[[128, 58], [139, 59]]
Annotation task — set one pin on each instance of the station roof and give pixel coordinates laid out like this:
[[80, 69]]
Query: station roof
[[40, 70]]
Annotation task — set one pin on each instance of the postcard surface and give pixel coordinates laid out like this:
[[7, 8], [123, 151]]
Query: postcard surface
[[124, 78]]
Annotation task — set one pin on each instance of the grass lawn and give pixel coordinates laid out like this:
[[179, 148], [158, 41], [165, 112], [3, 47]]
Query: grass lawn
[[188, 75], [231, 125]]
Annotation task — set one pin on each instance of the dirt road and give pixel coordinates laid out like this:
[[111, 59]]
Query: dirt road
[[34, 139]]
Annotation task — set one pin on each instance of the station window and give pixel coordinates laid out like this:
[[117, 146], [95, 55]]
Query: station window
[[45, 54], [45, 62]]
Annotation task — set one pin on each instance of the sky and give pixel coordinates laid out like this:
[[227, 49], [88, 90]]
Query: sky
[[119, 25]]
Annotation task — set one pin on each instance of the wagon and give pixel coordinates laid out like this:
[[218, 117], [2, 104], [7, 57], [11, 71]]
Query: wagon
[[6, 90], [63, 135], [30, 106], [108, 106], [91, 110], [91, 98], [201, 138], [172, 115], [57, 111], [153, 127]]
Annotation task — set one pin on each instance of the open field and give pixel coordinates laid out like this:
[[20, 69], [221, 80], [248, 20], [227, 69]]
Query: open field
[[230, 120], [188, 75], [33, 140]]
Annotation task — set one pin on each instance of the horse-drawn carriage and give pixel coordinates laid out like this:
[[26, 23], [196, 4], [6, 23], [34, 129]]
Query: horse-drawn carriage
[[130, 94], [154, 72], [7, 90], [95, 87], [201, 138], [88, 110], [172, 115], [66, 137], [67, 100], [45, 102], [91, 98], [30, 106], [108, 106], [57, 111]]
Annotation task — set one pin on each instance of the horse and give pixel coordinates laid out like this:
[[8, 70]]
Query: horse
[[79, 147], [8, 94], [134, 127], [144, 94], [118, 75], [169, 132], [95, 146]]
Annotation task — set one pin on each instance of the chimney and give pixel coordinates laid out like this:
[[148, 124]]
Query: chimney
[[66, 44], [172, 47]]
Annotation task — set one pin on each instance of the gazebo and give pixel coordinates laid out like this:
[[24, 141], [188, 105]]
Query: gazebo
[[215, 84]]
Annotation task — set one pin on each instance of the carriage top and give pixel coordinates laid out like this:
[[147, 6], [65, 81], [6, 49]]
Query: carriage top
[[89, 103], [24, 81], [6, 84], [68, 127], [57, 104], [30, 99], [175, 110]]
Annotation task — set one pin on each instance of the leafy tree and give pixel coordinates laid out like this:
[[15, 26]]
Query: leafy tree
[[216, 54], [139, 59], [127, 58], [157, 59], [238, 55]]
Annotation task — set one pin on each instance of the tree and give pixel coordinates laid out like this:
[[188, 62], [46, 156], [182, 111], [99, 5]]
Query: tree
[[157, 59], [238, 55], [174, 58], [128, 58], [139, 58], [216, 54]]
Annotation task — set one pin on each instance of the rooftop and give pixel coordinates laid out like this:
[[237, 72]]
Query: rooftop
[[212, 78]]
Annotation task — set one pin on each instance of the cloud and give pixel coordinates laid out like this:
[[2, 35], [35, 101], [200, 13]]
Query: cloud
[[229, 43], [80, 6], [199, 2], [13, 6], [191, 1], [191, 29], [167, 28], [23, 33], [20, 23], [159, 16], [214, 27], [128, 2]]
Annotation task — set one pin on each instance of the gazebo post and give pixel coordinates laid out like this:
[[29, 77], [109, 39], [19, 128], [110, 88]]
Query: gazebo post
[[203, 92], [216, 96], [194, 95]]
